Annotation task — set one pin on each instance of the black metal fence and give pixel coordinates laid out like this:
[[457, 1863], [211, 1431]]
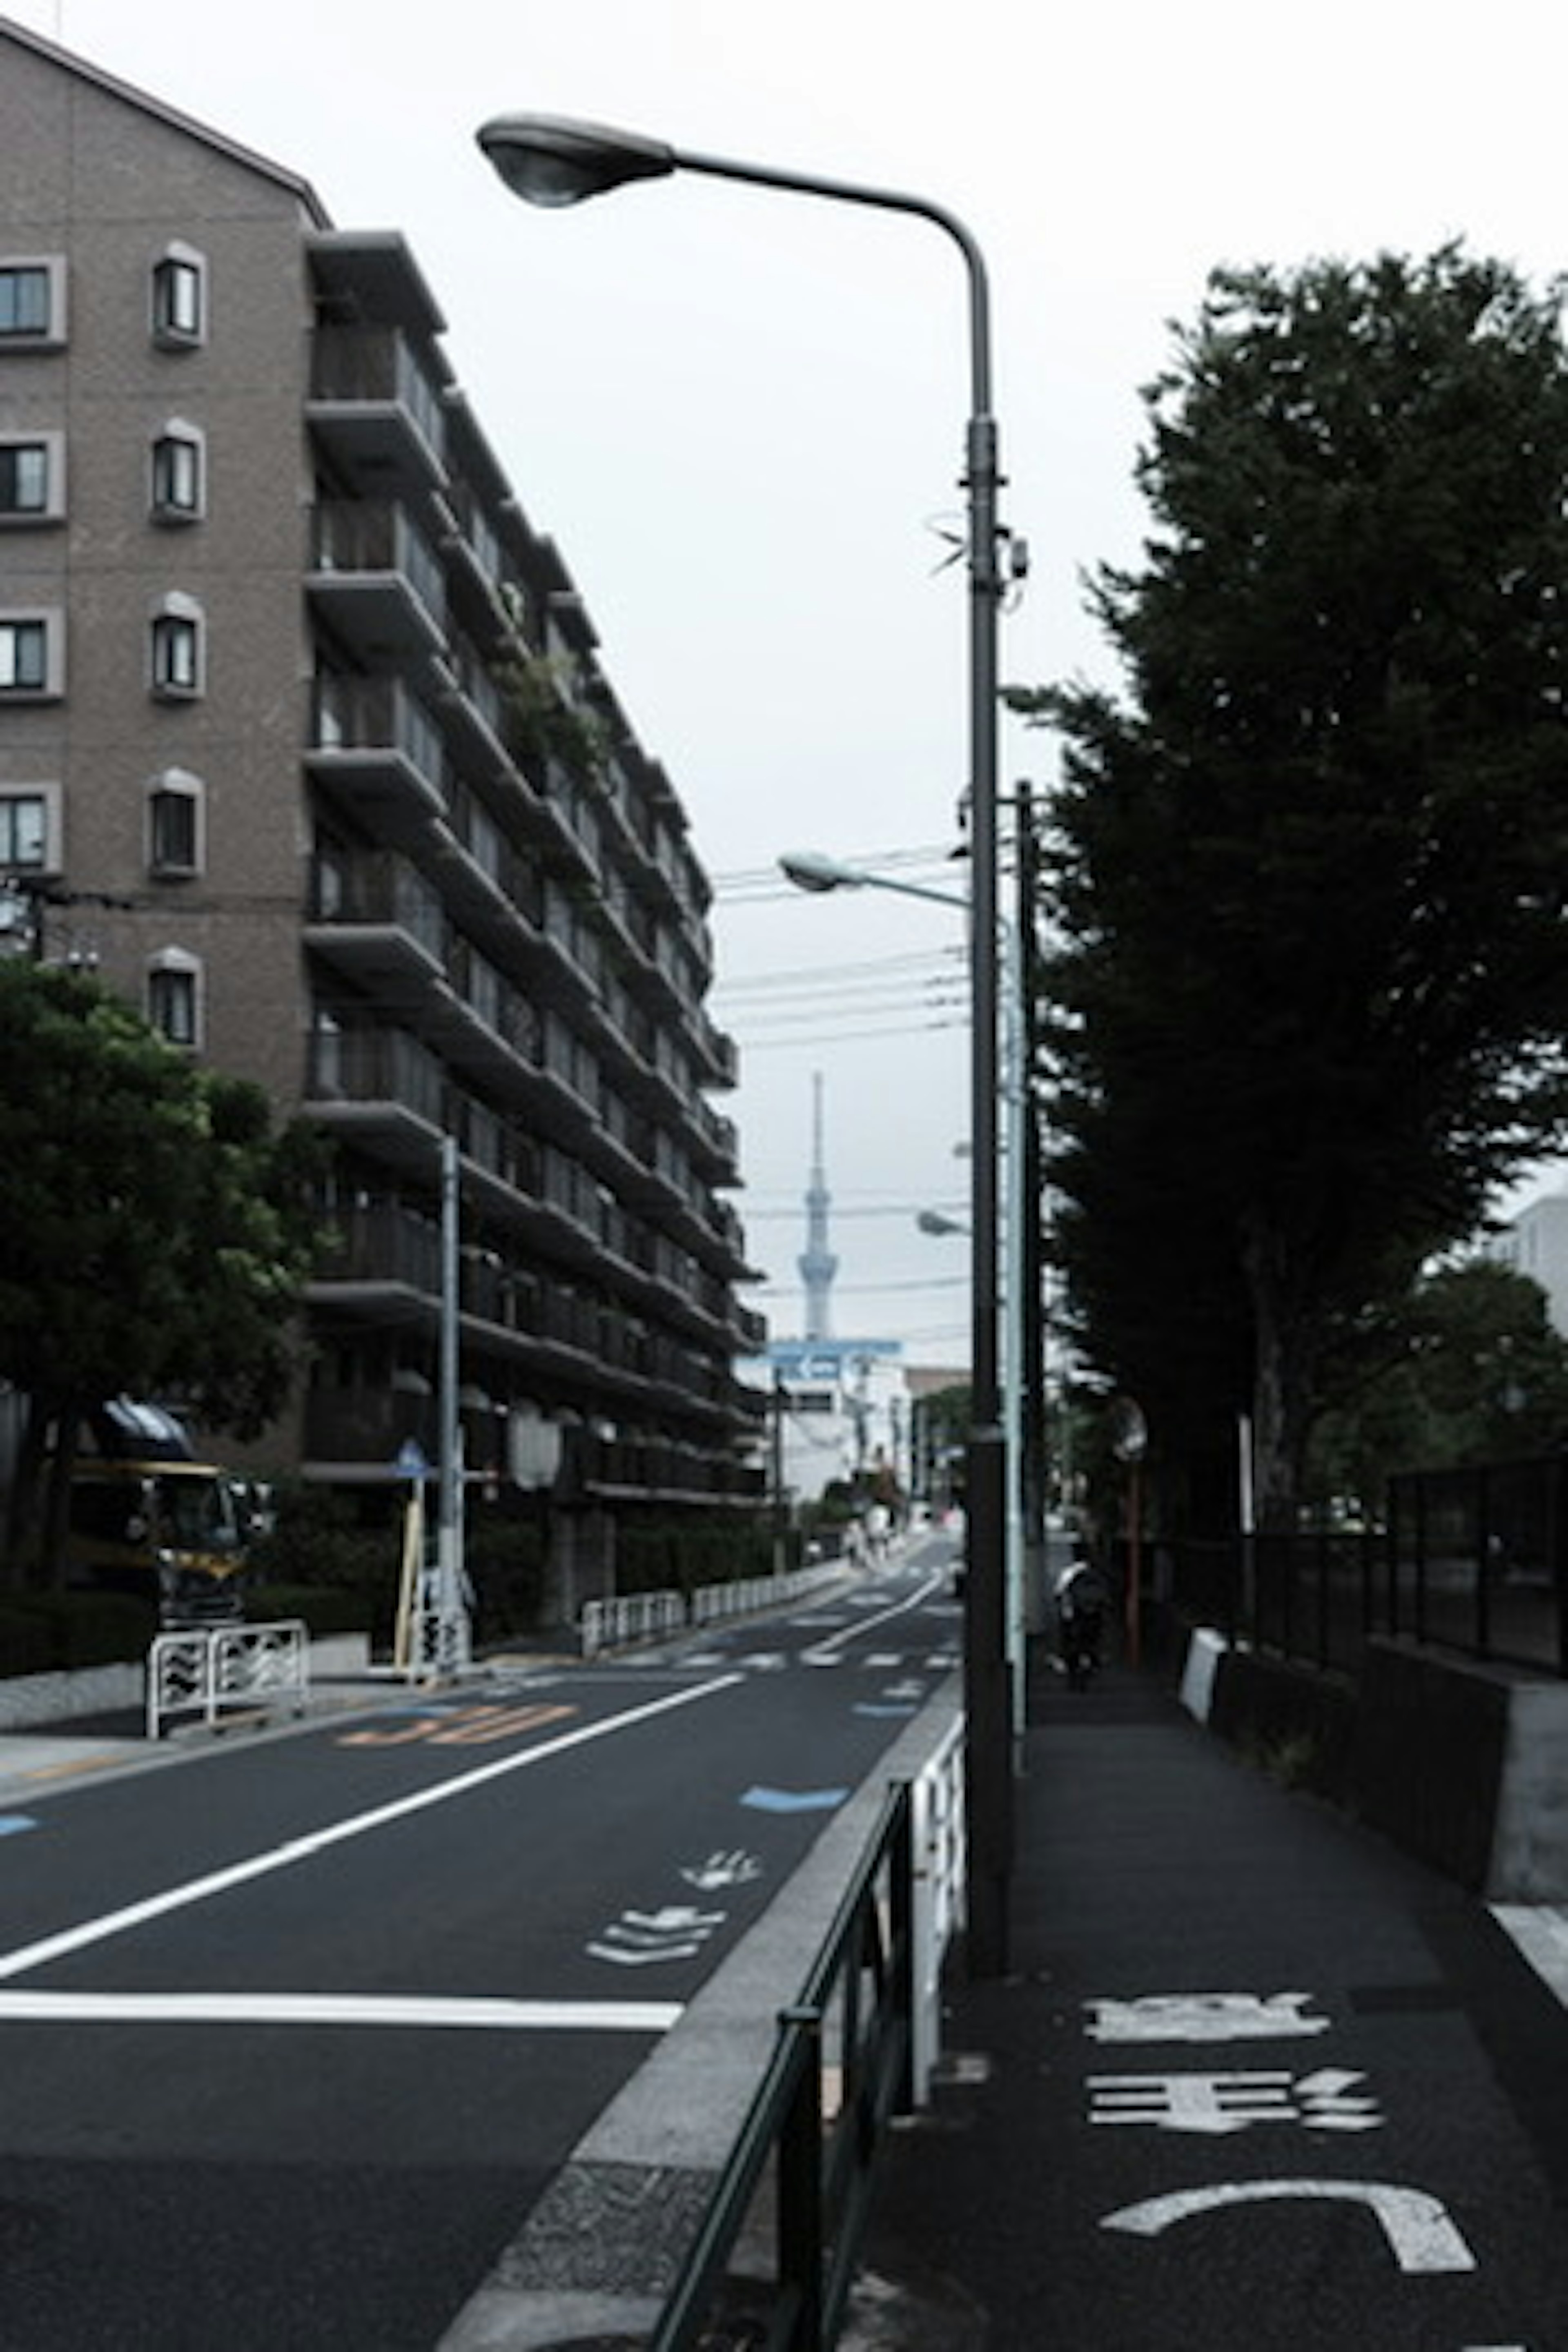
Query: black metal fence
[[801, 2164], [1473, 1560]]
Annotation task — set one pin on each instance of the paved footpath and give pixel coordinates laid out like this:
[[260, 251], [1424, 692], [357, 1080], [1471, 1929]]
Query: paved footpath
[[1257, 2082]]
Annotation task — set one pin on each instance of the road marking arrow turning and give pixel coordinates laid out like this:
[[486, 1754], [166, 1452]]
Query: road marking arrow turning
[[1419, 2231]]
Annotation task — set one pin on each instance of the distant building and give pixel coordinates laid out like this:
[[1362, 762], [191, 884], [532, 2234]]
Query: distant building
[[1536, 1243], [305, 744], [843, 1411]]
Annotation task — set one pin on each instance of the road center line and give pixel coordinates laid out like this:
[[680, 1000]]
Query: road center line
[[868, 1624], [281, 1857], [336, 2009]]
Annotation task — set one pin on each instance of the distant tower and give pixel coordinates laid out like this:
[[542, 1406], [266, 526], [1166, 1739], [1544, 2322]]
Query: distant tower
[[816, 1262]]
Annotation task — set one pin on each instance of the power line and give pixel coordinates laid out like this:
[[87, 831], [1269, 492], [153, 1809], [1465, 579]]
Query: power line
[[751, 884]]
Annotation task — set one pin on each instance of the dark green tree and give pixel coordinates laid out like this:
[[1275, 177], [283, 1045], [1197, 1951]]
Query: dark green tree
[[154, 1229], [1309, 869], [1469, 1370]]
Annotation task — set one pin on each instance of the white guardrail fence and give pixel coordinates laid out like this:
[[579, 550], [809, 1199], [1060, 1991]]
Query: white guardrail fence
[[645, 1616], [214, 1670], [939, 1854]]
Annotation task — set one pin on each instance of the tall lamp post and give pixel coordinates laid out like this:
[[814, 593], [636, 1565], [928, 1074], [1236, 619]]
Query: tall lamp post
[[550, 161]]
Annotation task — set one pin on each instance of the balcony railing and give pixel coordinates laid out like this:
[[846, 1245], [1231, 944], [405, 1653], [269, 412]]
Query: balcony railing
[[376, 1065], [359, 539], [377, 888], [374, 365]]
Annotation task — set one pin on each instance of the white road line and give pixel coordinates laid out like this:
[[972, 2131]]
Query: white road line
[[336, 2009], [869, 1624], [239, 1874]]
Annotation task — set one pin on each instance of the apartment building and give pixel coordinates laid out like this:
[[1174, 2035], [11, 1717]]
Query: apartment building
[[305, 740]]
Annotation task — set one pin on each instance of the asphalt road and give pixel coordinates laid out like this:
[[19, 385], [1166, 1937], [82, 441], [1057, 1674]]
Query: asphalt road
[[296, 2032]]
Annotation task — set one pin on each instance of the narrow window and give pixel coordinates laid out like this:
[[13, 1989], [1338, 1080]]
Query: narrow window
[[32, 301], [178, 474], [173, 1005], [24, 832], [179, 303], [24, 657], [24, 479], [175, 823], [177, 651]]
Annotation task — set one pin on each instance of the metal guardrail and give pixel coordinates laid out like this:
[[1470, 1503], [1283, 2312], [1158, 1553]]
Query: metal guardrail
[[630, 1617], [645, 1616], [710, 1603], [856, 2048], [212, 1670], [939, 1855]]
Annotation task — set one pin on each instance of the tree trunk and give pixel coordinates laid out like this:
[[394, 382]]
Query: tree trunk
[[56, 1511], [1281, 1356], [21, 1502]]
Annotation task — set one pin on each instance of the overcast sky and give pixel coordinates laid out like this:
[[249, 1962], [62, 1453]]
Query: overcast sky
[[740, 413]]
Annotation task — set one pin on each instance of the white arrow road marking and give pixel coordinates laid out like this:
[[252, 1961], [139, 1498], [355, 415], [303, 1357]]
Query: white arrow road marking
[[28, 1957], [733, 1869], [1417, 2227], [335, 2008], [629, 1959], [677, 1919]]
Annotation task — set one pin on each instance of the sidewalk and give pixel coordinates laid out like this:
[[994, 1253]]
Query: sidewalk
[[1255, 2080]]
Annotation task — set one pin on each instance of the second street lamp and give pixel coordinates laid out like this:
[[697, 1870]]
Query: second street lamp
[[553, 161], [1017, 1260]]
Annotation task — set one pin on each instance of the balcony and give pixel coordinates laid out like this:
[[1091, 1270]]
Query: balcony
[[376, 583], [384, 1264], [380, 1089], [721, 1062], [377, 922], [374, 410], [376, 749]]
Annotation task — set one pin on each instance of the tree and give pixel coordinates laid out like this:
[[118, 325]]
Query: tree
[[1308, 873], [155, 1230], [1471, 1371]]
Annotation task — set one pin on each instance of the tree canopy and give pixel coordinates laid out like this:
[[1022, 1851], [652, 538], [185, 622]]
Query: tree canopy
[[1307, 1005], [154, 1228], [1469, 1371]]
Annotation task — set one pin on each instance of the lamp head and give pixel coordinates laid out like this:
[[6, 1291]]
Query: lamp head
[[552, 160], [809, 870], [934, 1221]]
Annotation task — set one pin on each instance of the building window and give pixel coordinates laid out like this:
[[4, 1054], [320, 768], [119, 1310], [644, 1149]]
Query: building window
[[173, 996], [32, 477], [30, 829], [179, 299], [32, 303], [29, 655], [174, 814], [176, 652], [178, 472]]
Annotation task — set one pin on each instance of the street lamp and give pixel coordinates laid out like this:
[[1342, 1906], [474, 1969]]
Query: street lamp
[[551, 161], [809, 869]]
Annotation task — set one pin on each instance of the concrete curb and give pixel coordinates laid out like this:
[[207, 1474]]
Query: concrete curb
[[602, 2249]]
